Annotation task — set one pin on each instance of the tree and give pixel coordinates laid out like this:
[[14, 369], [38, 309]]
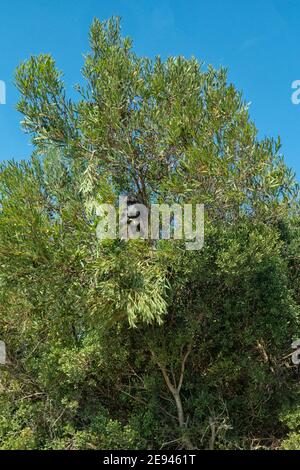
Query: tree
[[114, 344]]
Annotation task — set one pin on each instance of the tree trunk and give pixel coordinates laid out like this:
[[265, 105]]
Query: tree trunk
[[175, 391]]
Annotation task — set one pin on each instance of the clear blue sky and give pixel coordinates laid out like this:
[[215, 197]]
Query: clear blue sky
[[258, 40]]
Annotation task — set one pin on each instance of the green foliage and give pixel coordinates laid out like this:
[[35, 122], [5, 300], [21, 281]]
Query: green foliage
[[114, 345]]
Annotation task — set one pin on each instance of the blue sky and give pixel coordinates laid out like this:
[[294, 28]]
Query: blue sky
[[256, 39]]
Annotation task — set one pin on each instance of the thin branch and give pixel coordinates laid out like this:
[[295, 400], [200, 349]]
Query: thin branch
[[183, 366]]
